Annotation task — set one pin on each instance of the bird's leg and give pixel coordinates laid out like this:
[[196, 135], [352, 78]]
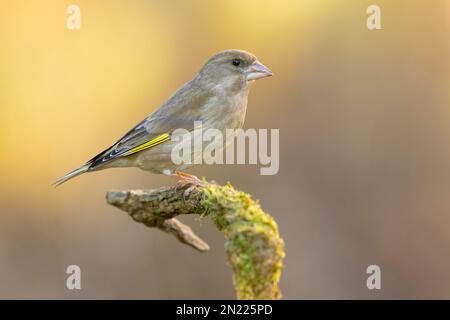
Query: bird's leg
[[187, 179]]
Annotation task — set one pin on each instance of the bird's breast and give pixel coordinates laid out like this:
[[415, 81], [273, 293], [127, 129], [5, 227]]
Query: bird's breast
[[226, 111]]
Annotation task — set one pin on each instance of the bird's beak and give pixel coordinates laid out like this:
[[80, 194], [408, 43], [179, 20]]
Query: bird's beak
[[257, 71]]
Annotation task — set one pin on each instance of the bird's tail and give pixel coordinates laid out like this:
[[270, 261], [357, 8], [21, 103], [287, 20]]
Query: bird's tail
[[72, 174]]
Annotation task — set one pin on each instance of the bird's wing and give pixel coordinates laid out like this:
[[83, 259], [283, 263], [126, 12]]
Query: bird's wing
[[179, 112]]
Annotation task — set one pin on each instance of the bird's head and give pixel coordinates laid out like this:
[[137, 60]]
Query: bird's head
[[233, 68]]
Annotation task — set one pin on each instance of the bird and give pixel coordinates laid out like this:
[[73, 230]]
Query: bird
[[216, 97]]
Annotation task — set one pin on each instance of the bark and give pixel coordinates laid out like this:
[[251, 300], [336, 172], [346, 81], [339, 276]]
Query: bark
[[253, 246]]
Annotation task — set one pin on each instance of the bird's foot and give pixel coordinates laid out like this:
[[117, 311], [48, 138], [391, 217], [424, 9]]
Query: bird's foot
[[187, 179]]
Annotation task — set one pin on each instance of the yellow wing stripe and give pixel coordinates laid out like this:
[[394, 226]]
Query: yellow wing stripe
[[158, 140]]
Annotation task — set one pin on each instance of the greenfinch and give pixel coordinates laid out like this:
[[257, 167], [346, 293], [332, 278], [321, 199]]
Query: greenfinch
[[216, 97]]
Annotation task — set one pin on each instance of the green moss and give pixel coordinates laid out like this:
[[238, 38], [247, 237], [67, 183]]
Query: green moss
[[254, 247]]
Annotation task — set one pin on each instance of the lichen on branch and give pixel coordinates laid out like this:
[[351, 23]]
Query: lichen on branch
[[253, 246]]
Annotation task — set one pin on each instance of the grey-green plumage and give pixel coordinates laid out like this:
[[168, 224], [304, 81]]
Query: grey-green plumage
[[216, 96]]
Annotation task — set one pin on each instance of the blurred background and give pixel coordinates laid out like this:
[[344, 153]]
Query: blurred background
[[364, 121]]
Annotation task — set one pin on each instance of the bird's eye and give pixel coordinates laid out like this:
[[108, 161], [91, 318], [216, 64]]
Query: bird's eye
[[237, 62]]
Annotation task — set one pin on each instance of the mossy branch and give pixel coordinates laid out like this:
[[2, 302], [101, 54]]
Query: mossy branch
[[253, 245]]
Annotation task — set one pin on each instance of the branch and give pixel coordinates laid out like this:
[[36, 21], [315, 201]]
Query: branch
[[156, 208], [253, 245]]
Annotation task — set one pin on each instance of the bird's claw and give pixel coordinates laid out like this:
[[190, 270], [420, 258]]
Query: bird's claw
[[187, 179], [188, 191]]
